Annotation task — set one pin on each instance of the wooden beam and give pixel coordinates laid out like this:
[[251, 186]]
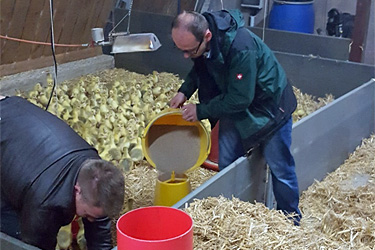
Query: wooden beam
[[17, 67], [361, 24]]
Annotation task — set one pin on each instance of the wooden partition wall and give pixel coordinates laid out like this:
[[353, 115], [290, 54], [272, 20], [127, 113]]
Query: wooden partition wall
[[30, 20], [165, 7], [73, 21]]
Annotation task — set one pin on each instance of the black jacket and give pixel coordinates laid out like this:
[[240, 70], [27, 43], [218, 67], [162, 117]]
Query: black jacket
[[40, 160]]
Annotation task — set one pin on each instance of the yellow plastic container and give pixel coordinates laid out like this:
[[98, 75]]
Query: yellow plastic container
[[168, 192], [173, 119], [174, 147]]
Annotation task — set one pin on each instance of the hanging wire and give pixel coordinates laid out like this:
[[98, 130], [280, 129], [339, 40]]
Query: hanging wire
[[54, 58]]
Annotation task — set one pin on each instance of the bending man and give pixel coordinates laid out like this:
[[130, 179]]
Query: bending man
[[49, 174]]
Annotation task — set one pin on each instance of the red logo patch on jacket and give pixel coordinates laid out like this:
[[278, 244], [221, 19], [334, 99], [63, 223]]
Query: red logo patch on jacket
[[239, 76]]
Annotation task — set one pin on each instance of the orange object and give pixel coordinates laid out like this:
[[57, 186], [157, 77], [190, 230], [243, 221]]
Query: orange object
[[155, 228], [213, 158]]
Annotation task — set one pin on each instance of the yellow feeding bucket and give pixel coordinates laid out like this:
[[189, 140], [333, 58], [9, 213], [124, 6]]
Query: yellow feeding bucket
[[174, 146], [169, 190]]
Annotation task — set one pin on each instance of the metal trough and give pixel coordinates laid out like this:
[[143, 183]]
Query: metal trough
[[7, 242], [322, 141], [305, 44]]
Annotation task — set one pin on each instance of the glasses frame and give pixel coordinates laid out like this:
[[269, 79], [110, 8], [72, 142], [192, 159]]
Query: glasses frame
[[192, 51]]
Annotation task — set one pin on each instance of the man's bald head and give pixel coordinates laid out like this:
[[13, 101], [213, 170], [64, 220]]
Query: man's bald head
[[193, 22]]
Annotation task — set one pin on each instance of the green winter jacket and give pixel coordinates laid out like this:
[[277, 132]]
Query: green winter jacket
[[241, 80]]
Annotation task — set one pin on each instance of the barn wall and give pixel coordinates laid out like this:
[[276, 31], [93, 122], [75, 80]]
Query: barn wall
[[30, 21]]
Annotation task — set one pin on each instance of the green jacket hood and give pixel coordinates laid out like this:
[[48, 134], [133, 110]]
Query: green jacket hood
[[226, 19], [224, 25]]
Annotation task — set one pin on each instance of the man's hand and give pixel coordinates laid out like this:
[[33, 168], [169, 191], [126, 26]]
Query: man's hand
[[178, 100], [189, 112]]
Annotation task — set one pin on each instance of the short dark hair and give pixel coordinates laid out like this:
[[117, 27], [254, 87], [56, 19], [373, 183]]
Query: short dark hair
[[193, 22], [102, 185]]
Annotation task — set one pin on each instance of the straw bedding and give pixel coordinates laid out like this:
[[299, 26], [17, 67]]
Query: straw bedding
[[343, 205], [141, 180], [307, 104], [140, 177], [338, 213]]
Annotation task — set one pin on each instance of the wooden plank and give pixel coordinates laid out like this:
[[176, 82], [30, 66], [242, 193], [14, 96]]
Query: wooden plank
[[15, 30], [187, 5], [171, 9], [73, 18], [47, 50], [41, 62], [79, 36], [32, 19], [42, 31], [99, 15], [6, 12], [58, 24], [361, 23], [66, 21], [89, 18], [154, 6], [103, 14], [165, 7]]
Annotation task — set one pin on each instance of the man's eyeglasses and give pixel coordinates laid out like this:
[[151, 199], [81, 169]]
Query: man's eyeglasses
[[193, 51]]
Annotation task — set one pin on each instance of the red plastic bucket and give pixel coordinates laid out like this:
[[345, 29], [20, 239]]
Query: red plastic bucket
[[155, 228]]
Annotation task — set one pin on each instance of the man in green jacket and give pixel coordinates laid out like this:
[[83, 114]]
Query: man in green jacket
[[241, 84]]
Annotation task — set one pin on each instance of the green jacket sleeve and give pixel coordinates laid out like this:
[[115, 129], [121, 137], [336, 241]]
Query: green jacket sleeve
[[190, 84]]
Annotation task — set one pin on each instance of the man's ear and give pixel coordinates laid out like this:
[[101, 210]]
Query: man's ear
[[77, 188], [208, 35]]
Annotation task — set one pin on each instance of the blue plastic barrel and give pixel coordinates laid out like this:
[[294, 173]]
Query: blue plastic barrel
[[296, 16]]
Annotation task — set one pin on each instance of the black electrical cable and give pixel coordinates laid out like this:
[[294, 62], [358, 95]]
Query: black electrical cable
[[53, 54]]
